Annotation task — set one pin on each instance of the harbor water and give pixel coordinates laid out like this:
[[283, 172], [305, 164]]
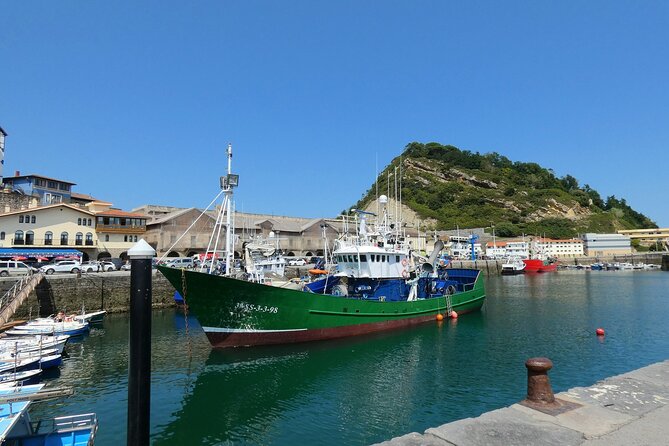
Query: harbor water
[[368, 389]]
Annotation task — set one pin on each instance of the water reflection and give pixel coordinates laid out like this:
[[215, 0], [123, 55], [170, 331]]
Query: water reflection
[[368, 389]]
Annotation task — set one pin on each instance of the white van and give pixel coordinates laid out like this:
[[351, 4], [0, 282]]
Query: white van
[[180, 262], [12, 268]]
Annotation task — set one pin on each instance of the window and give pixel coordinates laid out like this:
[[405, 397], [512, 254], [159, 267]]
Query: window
[[125, 238], [30, 238], [63, 238], [135, 238], [90, 222], [106, 237], [20, 218], [89, 239], [18, 238], [79, 221], [79, 239], [52, 184], [48, 238], [2, 235], [32, 219]]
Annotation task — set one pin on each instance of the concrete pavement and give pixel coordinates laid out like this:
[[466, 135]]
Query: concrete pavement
[[630, 409]]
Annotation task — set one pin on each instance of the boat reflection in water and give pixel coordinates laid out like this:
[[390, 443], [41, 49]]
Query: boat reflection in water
[[291, 393]]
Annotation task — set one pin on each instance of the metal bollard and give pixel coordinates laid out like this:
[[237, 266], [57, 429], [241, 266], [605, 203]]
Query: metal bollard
[[539, 392], [539, 389]]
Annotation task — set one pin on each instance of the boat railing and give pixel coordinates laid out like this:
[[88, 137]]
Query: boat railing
[[65, 423]]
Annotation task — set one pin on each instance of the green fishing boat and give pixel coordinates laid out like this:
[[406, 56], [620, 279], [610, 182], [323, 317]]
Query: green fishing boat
[[376, 283], [236, 313]]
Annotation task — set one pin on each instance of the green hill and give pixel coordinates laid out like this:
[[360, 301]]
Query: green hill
[[449, 187]]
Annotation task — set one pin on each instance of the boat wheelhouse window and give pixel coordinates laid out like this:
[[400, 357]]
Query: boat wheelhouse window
[[363, 257], [397, 259], [350, 259]]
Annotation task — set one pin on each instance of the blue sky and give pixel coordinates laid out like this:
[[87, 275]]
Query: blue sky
[[136, 101]]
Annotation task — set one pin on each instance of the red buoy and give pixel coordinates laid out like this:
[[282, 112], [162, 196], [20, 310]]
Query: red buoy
[[454, 315], [600, 332]]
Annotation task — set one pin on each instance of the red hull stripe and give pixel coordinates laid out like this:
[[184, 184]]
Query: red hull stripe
[[221, 337]]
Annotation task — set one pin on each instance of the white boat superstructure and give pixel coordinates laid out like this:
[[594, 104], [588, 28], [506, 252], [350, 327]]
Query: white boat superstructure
[[377, 251], [263, 256], [513, 265]]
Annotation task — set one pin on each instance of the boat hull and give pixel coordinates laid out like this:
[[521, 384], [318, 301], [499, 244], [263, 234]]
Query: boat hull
[[539, 266], [237, 313]]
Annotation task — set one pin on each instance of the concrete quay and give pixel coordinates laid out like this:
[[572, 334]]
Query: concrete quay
[[631, 409]]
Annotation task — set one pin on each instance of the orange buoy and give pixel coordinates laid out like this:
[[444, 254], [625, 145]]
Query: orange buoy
[[454, 315], [440, 317], [600, 332]]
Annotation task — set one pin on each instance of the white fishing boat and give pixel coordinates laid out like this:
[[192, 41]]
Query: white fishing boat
[[91, 318], [513, 266], [34, 343], [13, 379], [10, 355], [73, 328]]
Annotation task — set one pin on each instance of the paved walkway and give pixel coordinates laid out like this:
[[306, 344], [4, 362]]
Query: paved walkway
[[630, 409]]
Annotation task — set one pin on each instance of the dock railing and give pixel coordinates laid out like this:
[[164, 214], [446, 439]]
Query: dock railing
[[15, 296]]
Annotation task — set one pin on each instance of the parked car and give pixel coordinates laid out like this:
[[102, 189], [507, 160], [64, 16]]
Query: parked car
[[90, 267], [297, 262], [12, 268], [64, 266], [180, 262], [125, 266], [107, 265]]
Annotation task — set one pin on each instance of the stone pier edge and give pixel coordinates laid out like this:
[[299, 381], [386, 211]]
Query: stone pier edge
[[627, 409]]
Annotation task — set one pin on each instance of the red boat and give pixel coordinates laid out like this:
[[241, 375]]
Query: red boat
[[539, 266]]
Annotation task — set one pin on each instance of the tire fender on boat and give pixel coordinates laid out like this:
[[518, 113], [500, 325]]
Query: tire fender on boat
[[450, 290], [405, 273]]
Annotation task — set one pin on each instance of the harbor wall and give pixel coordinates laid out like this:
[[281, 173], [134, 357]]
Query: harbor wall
[[100, 291]]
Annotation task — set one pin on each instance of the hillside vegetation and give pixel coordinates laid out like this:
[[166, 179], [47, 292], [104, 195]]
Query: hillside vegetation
[[449, 187]]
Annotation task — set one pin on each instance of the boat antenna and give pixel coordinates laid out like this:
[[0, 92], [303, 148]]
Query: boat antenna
[[377, 183]]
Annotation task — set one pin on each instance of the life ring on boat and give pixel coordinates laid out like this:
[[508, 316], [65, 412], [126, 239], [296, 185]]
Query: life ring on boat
[[405, 273], [404, 261]]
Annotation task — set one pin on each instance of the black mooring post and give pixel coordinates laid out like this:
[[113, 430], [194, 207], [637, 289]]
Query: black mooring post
[[139, 359]]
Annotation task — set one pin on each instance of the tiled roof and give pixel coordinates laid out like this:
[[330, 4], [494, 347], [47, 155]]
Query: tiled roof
[[48, 206]]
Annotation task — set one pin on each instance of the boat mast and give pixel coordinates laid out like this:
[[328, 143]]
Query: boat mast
[[228, 211]]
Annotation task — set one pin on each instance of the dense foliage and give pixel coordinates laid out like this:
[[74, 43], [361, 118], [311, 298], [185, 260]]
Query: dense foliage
[[454, 187]]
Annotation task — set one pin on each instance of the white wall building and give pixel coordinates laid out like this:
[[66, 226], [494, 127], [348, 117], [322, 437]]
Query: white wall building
[[606, 244], [560, 248]]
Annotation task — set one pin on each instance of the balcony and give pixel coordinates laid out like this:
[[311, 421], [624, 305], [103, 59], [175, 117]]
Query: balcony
[[120, 229]]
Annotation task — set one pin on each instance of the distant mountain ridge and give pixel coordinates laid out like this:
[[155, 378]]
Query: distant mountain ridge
[[448, 187]]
